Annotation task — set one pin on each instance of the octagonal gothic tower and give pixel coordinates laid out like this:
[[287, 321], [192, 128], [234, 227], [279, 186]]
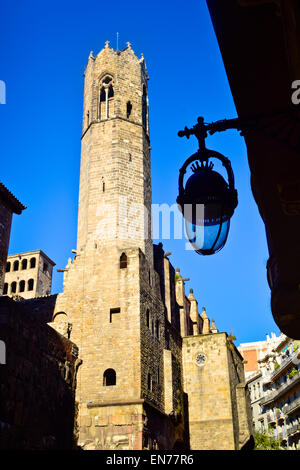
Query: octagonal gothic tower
[[115, 179], [111, 306]]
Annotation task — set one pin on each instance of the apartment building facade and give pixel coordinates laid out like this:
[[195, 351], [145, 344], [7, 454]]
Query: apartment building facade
[[281, 402]]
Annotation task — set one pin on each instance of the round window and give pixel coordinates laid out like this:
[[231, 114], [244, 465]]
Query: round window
[[200, 359]]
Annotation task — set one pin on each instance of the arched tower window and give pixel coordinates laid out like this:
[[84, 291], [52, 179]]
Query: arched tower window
[[32, 263], [21, 286], [5, 289], [106, 95], [123, 261], [24, 264], [148, 318], [109, 377], [102, 94], [8, 267], [62, 324], [110, 91], [16, 265], [30, 284], [144, 108], [60, 317], [13, 287]]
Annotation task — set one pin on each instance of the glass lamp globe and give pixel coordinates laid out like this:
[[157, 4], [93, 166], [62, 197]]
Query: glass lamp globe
[[207, 209]]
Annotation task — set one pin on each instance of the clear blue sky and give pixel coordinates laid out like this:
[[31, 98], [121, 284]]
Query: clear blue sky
[[45, 47]]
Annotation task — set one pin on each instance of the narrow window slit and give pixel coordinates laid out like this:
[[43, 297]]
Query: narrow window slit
[[128, 109], [114, 314]]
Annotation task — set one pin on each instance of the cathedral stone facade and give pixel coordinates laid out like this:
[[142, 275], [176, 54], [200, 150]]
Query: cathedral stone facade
[[155, 373]]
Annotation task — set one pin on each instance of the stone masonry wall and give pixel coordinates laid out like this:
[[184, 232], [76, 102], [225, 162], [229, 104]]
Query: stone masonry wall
[[113, 427], [44, 279], [37, 383], [106, 340], [172, 359], [239, 397], [208, 389], [126, 344], [167, 284], [152, 336]]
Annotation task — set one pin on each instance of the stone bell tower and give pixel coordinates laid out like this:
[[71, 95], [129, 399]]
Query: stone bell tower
[[111, 305], [115, 179]]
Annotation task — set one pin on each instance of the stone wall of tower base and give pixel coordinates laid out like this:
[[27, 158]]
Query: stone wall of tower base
[[108, 426], [126, 426], [211, 434], [218, 407]]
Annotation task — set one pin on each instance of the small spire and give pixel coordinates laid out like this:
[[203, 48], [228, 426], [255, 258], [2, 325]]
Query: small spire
[[191, 295], [206, 322], [203, 314], [177, 270], [107, 44], [231, 337], [213, 327], [142, 61], [128, 45]]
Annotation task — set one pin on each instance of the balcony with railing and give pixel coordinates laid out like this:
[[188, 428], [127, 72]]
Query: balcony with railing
[[285, 387], [287, 361], [267, 379], [268, 398], [275, 415], [293, 406], [271, 417], [295, 429]]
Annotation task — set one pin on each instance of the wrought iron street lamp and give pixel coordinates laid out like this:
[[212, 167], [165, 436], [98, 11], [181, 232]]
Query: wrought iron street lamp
[[207, 230], [206, 190], [207, 201]]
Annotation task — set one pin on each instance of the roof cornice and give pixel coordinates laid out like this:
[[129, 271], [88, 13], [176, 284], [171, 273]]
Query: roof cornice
[[10, 200]]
